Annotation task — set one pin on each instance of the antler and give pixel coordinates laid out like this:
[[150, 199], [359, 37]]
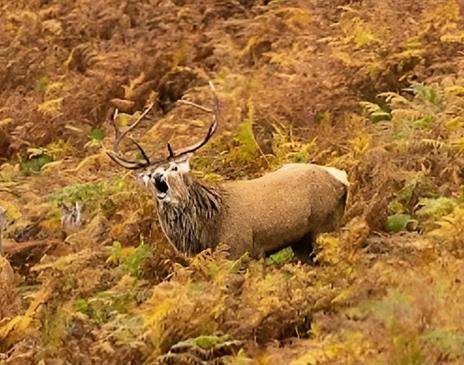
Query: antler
[[133, 165], [119, 135], [211, 129]]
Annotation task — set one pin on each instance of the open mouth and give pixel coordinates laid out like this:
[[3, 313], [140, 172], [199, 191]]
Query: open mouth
[[161, 188]]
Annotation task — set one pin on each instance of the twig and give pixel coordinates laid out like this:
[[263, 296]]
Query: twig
[[14, 248], [191, 103]]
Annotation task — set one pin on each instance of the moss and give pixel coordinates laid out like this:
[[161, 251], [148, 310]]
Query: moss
[[208, 342], [397, 222], [433, 209], [35, 164], [281, 257], [130, 260], [247, 148], [81, 305], [88, 192]]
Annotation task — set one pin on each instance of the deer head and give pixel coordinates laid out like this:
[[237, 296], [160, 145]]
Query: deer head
[[168, 176]]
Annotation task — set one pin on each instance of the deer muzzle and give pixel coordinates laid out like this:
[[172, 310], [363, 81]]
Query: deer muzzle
[[161, 186]]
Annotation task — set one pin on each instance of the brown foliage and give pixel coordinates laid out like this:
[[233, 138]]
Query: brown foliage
[[10, 303], [98, 280]]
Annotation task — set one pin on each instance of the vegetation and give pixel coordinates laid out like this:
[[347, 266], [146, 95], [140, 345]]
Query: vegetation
[[375, 88]]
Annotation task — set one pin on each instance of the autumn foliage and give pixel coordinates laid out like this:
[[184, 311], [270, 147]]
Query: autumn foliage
[[373, 87]]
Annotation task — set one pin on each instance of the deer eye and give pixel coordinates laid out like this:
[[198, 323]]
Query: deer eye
[[174, 168]]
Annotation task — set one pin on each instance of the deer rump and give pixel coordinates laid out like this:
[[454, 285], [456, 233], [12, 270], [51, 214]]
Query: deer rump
[[286, 207]]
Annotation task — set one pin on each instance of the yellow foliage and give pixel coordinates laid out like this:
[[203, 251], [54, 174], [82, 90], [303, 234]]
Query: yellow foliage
[[89, 161], [13, 212], [4, 122], [17, 327], [455, 123], [179, 55], [329, 249], [405, 114], [348, 350], [450, 230], [132, 86], [63, 262], [53, 91], [287, 148], [296, 18], [51, 107], [167, 322], [361, 143], [155, 321], [445, 12], [362, 35], [356, 30]]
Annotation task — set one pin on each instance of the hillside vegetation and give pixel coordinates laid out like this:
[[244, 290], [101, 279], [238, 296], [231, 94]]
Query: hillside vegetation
[[373, 87]]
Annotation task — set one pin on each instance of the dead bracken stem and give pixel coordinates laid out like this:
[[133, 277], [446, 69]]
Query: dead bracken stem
[[191, 103]]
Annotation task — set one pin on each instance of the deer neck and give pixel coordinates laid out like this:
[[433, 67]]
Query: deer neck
[[191, 223]]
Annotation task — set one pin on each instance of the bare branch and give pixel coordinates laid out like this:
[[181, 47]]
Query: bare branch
[[201, 107]]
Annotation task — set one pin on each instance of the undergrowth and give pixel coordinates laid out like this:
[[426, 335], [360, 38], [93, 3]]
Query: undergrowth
[[374, 88]]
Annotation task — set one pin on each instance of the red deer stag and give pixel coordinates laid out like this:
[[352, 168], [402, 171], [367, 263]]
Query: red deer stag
[[285, 207]]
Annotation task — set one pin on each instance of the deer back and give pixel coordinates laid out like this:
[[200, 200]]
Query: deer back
[[281, 207]]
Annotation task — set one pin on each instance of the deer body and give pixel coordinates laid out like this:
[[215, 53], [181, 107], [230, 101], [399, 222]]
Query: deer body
[[256, 216], [261, 215]]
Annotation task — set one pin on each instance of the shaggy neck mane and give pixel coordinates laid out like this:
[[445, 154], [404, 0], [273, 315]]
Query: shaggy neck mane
[[188, 223]]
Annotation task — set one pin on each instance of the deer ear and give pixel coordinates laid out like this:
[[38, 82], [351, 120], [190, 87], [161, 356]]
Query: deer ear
[[184, 163]]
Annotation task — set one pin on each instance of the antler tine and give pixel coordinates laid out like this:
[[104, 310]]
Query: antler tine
[[211, 130], [119, 135]]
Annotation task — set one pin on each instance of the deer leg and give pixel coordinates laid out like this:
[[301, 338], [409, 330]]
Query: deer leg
[[241, 243], [256, 251], [304, 249]]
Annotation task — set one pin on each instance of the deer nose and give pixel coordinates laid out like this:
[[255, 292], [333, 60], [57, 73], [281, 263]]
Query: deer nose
[[158, 176]]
